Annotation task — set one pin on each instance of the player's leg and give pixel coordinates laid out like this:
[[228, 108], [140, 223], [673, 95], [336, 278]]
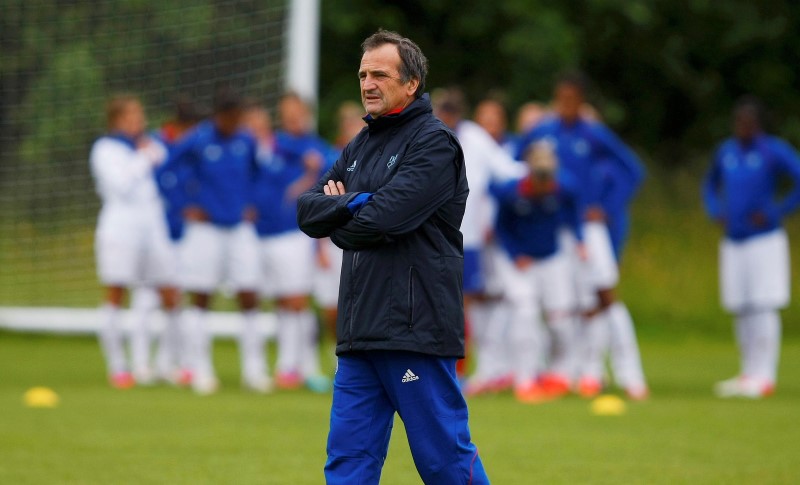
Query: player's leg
[[201, 272], [554, 278], [242, 255], [144, 303], [477, 320], [360, 425], [326, 282], [626, 362], [292, 265], [425, 391], [117, 261], [524, 328], [768, 265], [733, 291]]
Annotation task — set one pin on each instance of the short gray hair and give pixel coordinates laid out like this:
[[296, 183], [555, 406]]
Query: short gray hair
[[413, 64]]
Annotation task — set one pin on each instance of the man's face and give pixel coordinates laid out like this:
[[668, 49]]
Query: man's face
[[294, 115], [258, 122], [568, 102], [228, 122], [745, 124], [131, 121], [382, 90], [492, 117]]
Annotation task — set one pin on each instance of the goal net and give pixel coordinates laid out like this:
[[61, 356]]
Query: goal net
[[58, 64]]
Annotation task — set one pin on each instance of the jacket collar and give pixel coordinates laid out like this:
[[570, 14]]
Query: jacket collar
[[418, 107]]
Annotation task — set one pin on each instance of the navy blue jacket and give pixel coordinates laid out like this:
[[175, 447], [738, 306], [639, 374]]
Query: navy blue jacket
[[401, 283]]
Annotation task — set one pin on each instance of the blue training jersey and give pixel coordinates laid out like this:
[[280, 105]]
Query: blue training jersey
[[222, 171], [280, 166], [529, 226], [743, 183], [616, 189], [579, 146], [173, 183]]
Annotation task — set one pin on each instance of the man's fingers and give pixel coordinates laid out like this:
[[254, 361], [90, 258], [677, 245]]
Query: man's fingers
[[326, 190], [340, 186]]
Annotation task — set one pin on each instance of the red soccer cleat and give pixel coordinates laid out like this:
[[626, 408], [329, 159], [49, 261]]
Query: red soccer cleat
[[122, 380], [589, 387]]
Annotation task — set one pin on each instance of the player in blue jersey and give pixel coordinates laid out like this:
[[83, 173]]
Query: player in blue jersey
[[580, 145], [741, 193], [290, 162], [536, 271], [220, 243], [131, 241]]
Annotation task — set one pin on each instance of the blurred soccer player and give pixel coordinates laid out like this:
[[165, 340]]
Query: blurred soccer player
[[350, 122], [172, 363], [131, 241], [491, 115], [741, 193], [486, 162], [580, 146], [290, 163], [529, 116], [537, 274], [220, 244]]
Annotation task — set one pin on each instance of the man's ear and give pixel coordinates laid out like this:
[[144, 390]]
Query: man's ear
[[412, 86]]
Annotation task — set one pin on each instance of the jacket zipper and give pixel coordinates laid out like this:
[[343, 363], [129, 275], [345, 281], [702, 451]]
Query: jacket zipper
[[410, 297], [352, 296]]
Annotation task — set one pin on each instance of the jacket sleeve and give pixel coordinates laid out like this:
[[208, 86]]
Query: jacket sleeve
[[318, 215], [117, 169], [711, 187], [425, 180], [789, 164], [625, 159]]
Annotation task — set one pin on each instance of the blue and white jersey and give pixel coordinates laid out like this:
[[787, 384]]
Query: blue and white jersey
[[529, 226], [579, 146], [280, 166], [222, 172], [616, 189], [743, 184]]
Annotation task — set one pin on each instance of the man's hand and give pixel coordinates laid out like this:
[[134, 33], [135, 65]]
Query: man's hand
[[583, 253], [524, 262], [595, 214], [758, 219], [334, 188], [250, 214], [195, 214]]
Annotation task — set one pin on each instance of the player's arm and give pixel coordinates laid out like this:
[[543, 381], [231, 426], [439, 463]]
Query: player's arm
[[711, 187], [424, 180], [118, 169], [318, 214], [501, 166], [183, 162], [620, 153], [789, 165]]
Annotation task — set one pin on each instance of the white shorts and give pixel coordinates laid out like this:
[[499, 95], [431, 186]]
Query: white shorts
[[212, 255], [599, 271], [326, 279], [754, 273], [135, 251], [548, 282], [287, 265]]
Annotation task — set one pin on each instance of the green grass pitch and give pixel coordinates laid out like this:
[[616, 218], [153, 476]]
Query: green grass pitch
[[164, 435]]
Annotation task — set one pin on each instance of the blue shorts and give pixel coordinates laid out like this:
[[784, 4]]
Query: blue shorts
[[369, 387], [473, 271]]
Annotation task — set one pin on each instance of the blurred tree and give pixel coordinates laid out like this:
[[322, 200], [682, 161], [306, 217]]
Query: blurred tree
[[665, 72]]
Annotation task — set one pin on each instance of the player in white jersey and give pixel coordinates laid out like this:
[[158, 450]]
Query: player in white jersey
[[131, 242], [486, 162]]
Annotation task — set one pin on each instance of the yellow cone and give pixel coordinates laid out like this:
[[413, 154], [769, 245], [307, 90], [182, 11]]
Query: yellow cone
[[40, 397], [608, 405]]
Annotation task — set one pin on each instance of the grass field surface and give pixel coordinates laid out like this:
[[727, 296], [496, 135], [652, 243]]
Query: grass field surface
[[165, 435]]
